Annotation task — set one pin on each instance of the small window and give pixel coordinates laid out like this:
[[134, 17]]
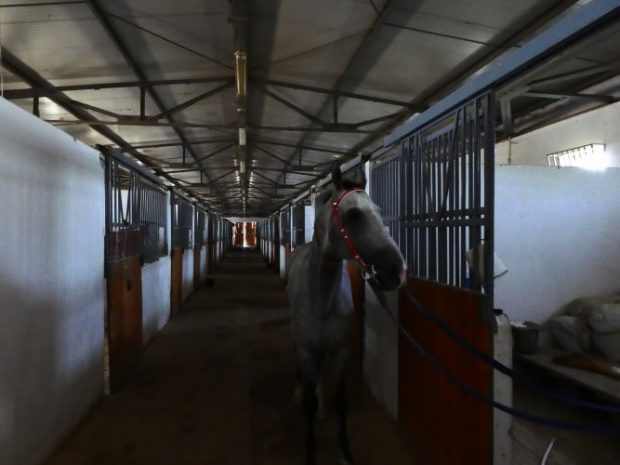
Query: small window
[[591, 157]]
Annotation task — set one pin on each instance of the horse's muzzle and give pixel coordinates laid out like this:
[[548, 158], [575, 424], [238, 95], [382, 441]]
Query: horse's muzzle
[[390, 273]]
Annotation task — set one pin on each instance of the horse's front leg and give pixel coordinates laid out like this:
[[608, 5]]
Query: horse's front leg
[[310, 369], [310, 409], [341, 406]]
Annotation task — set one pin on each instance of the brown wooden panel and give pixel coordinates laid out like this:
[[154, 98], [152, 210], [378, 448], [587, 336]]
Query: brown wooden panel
[[275, 257], [211, 257], [448, 426], [197, 254], [176, 289], [124, 325], [357, 323]]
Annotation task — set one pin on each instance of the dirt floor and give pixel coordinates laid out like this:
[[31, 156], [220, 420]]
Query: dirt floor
[[215, 387]]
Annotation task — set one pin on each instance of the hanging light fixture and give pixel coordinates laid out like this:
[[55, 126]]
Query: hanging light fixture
[[241, 79]]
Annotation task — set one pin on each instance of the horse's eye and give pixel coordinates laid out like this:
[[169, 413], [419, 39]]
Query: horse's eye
[[354, 214]]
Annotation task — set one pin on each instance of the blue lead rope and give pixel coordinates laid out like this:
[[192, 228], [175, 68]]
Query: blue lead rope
[[517, 377], [478, 395]]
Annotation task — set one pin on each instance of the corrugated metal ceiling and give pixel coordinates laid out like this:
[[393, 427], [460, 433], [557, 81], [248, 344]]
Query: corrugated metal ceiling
[[325, 79]]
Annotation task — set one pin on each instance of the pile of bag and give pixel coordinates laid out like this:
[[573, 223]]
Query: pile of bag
[[589, 324]]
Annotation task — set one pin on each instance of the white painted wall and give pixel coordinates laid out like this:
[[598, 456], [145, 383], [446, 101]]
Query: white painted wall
[[156, 284], [52, 290], [557, 231], [156, 288], [282, 263], [381, 350], [597, 126], [309, 222], [188, 273], [203, 263]]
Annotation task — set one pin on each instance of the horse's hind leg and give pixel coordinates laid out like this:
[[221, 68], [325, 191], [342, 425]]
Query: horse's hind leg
[[341, 406], [298, 394]]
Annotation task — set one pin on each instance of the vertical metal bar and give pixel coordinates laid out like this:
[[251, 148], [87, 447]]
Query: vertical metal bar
[[335, 108], [108, 213], [450, 200], [489, 199], [475, 229], [142, 102], [463, 201], [453, 208], [433, 229], [413, 211], [424, 189], [441, 239], [35, 105]]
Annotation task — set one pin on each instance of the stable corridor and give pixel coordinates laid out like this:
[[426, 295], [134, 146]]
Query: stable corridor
[[215, 387]]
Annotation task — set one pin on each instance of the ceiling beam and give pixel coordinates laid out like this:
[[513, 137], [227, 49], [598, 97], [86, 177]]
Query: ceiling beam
[[332, 96], [13, 94], [31, 4], [291, 105], [217, 151], [337, 93], [560, 95], [312, 148], [511, 36], [105, 23], [133, 120], [195, 100], [177, 144], [31, 77], [577, 74], [168, 40]]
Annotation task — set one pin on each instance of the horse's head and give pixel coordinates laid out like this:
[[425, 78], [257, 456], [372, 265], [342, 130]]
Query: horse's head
[[355, 228]]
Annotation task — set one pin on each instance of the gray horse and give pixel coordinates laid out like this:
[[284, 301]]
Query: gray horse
[[319, 291]]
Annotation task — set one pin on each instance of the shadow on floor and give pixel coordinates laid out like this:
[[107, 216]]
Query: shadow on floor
[[215, 387]]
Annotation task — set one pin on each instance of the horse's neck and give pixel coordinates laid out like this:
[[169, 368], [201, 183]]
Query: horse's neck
[[326, 273]]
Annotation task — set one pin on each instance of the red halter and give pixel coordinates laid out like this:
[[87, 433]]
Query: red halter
[[343, 230]]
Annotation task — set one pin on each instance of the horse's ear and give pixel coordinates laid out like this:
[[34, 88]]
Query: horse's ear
[[354, 178], [359, 177], [337, 177]]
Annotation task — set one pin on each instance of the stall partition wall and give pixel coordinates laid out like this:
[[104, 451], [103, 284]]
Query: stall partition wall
[[200, 240], [430, 408], [270, 230], [176, 287], [182, 257], [211, 243], [437, 201], [156, 284], [136, 228], [52, 289], [285, 241]]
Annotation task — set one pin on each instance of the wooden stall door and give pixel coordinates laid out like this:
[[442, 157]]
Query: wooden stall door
[[357, 323], [197, 255], [124, 288], [176, 289], [275, 257], [448, 426]]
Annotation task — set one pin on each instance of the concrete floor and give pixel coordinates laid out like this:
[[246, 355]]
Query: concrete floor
[[215, 387]]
